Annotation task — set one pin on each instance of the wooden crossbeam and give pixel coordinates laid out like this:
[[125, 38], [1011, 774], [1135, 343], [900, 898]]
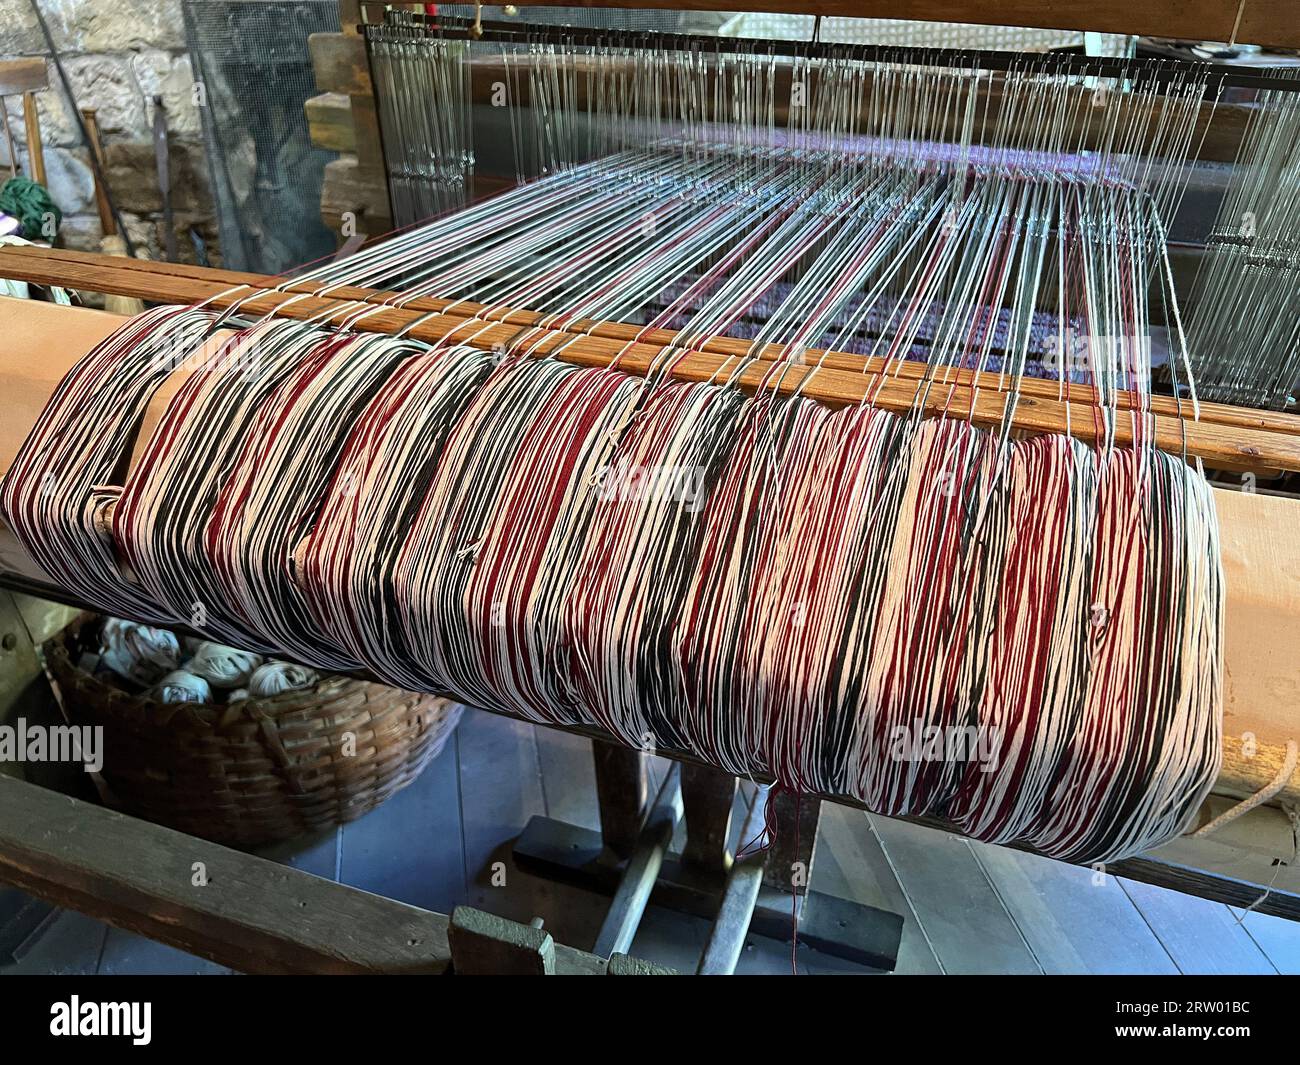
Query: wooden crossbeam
[[1269, 22], [22, 75], [249, 913], [1211, 413], [1225, 438]]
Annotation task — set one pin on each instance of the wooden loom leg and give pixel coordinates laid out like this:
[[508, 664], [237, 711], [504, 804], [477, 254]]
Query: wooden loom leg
[[790, 859], [708, 795], [621, 791], [827, 923]]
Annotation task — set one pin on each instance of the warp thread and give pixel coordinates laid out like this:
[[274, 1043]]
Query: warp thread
[[1023, 636], [835, 580]]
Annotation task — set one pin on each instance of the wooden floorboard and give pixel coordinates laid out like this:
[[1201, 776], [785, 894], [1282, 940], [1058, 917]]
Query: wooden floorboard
[[70, 944], [1278, 938], [568, 777], [500, 788], [410, 849], [1202, 937], [851, 863], [317, 854], [961, 913], [1074, 920]]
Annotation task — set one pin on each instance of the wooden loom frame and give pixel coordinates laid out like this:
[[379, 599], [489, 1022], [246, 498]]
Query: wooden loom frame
[[1230, 437], [182, 284], [1226, 437], [1264, 22]]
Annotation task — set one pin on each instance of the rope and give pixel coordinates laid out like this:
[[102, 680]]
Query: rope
[[1279, 781]]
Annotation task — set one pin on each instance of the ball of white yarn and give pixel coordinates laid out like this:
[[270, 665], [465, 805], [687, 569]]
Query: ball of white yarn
[[181, 686], [236, 695], [222, 666], [138, 652], [275, 677]]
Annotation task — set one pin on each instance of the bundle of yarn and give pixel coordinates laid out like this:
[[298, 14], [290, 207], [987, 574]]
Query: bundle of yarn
[[1021, 636]]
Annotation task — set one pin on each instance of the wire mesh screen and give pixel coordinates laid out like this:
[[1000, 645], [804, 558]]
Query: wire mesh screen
[[252, 62]]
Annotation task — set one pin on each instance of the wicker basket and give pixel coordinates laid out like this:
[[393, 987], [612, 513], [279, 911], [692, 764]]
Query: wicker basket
[[259, 770]]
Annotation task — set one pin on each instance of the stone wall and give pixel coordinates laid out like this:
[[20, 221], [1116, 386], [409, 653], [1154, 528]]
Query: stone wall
[[119, 55]]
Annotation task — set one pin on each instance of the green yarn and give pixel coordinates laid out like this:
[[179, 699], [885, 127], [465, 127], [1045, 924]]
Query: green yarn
[[28, 202]]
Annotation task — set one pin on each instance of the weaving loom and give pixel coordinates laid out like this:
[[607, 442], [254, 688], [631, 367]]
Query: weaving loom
[[795, 400]]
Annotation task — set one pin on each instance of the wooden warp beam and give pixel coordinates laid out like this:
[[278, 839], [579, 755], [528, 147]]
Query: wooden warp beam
[[1261, 557], [1226, 437], [1260, 539]]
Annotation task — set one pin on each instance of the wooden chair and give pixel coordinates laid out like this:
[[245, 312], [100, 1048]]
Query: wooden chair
[[26, 77]]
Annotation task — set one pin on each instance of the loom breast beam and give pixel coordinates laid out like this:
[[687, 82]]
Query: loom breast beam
[[1226, 437], [1260, 546], [149, 280]]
